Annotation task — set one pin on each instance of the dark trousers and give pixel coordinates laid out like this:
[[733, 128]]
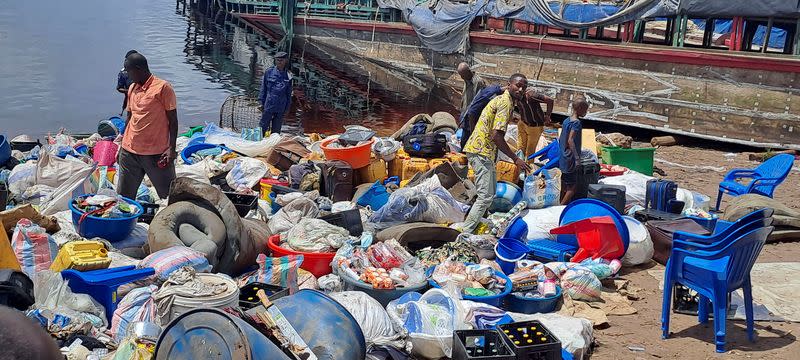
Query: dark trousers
[[132, 169], [271, 121]]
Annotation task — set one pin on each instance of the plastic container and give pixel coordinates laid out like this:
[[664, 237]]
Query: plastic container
[[83, 255], [274, 206], [148, 213], [638, 159], [494, 300], [506, 196], [243, 203], [539, 345], [507, 171], [105, 153], [395, 167], [517, 229], [111, 229], [227, 299], [112, 127], [318, 264], [480, 344], [383, 296], [16, 289], [375, 197], [375, 171], [266, 187], [520, 304], [357, 156], [248, 294], [186, 153], [196, 139], [508, 252], [201, 332], [586, 208], [413, 166], [548, 250], [348, 219], [24, 145], [432, 163], [5, 150], [456, 158], [605, 170], [613, 195]]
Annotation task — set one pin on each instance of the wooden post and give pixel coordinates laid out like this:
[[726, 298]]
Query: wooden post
[[797, 38], [676, 31], [684, 26], [766, 36], [583, 34]]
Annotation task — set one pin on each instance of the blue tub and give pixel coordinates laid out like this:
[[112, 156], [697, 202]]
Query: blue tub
[[520, 304], [517, 229], [113, 230], [508, 252], [495, 300], [187, 152]]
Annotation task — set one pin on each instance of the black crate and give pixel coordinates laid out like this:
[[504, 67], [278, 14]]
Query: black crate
[[530, 340], [480, 344], [16, 289], [248, 298], [149, 212], [243, 203], [348, 219]]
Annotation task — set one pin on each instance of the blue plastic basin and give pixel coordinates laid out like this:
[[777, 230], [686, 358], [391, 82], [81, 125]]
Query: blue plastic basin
[[188, 151], [111, 229], [518, 229], [588, 208], [494, 300], [523, 305]]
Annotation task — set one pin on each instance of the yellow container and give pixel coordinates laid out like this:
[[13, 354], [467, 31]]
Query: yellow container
[[507, 171], [8, 260], [432, 163], [375, 171], [404, 183], [457, 158], [82, 256], [413, 166], [471, 175]]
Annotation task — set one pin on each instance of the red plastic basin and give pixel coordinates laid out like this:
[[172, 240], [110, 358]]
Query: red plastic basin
[[318, 264], [356, 156]]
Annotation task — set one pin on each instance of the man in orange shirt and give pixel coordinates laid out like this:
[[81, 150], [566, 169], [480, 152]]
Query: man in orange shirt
[[148, 145]]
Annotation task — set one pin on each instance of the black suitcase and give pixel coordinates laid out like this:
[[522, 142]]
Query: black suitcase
[[431, 145], [337, 180], [660, 194], [588, 173], [16, 289]]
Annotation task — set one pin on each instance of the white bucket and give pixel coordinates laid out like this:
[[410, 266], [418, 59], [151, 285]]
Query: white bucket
[[229, 298]]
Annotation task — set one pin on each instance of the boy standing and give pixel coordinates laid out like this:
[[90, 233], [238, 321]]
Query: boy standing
[[569, 144]]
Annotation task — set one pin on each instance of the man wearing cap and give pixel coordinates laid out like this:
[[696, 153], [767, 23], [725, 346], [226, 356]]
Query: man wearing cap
[[275, 95]]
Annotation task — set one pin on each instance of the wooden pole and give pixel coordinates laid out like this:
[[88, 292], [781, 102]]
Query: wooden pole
[[765, 45]]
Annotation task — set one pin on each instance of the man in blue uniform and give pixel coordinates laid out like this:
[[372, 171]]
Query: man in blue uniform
[[275, 95]]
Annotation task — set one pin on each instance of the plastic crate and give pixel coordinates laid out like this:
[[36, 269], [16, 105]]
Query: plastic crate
[[549, 250], [480, 344], [638, 159], [539, 344], [243, 203], [149, 212], [248, 297], [348, 219]]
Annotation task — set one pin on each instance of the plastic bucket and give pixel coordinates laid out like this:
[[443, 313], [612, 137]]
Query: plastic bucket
[[111, 229], [518, 229], [494, 300], [383, 296], [508, 252], [112, 127], [105, 153], [227, 299], [357, 156], [199, 333], [266, 187], [318, 264], [520, 304]]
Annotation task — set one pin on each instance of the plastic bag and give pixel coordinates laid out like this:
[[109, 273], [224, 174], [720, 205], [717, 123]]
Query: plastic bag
[[216, 135], [280, 271], [138, 305], [388, 254], [246, 173], [78, 184], [34, 248], [54, 171], [317, 236], [375, 323], [330, 283], [291, 214], [167, 261], [51, 292], [635, 186], [22, 177], [196, 171], [541, 221], [426, 202], [543, 190], [581, 284], [430, 320]]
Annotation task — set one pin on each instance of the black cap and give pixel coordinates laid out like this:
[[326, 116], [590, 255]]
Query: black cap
[[281, 55]]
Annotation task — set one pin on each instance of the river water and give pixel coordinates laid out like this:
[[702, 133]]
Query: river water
[[59, 62]]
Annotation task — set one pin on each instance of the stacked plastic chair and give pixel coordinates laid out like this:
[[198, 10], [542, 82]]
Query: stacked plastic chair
[[715, 266]]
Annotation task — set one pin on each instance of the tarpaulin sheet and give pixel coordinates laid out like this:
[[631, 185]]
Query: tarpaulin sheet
[[777, 38], [728, 8]]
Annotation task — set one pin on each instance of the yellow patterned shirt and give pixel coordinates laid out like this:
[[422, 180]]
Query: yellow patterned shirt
[[495, 116]]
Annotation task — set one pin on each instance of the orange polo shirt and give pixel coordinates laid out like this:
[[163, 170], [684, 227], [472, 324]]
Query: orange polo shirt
[[147, 132]]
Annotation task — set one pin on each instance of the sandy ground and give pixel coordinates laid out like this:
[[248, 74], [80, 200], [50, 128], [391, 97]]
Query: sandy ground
[[690, 340]]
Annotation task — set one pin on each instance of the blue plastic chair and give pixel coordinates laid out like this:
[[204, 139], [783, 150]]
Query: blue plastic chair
[[549, 153], [723, 232], [102, 284], [714, 274], [765, 178]]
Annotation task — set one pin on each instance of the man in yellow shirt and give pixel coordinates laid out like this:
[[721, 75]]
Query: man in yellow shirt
[[481, 148]]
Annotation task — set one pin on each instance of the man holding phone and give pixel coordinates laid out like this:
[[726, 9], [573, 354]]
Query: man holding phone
[[148, 144]]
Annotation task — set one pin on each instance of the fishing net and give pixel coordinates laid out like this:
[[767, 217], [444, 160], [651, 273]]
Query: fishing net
[[239, 112]]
